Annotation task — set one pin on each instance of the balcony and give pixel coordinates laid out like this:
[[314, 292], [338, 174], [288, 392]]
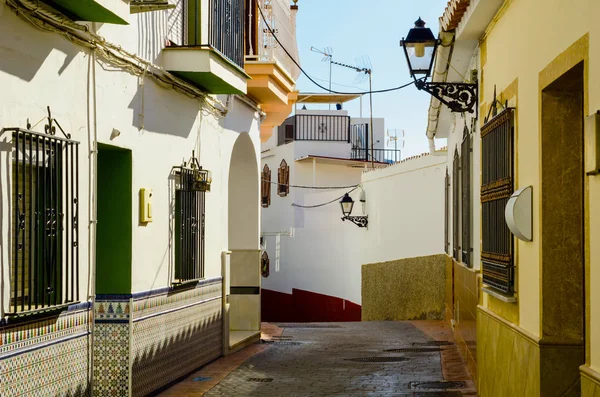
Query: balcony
[[105, 11], [206, 46], [309, 127], [333, 130], [273, 73]]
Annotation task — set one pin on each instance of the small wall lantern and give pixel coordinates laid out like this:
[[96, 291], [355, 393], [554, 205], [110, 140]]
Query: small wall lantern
[[347, 204], [420, 47]]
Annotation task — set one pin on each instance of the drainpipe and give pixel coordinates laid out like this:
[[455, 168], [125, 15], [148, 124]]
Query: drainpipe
[[440, 74]]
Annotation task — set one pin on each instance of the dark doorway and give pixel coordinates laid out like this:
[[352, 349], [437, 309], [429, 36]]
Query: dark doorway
[[562, 238], [113, 231]]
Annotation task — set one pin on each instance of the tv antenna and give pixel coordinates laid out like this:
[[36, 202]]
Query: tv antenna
[[327, 56], [395, 136], [366, 71]]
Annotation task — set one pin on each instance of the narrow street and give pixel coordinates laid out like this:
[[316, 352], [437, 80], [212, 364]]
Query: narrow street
[[339, 359]]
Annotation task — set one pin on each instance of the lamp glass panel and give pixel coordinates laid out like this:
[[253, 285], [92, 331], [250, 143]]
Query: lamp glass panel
[[420, 56], [347, 207]]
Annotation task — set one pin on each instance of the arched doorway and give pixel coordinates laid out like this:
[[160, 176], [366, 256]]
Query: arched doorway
[[243, 305]]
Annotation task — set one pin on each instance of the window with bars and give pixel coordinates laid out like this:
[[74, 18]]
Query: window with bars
[[44, 270], [283, 179], [264, 265], [266, 186], [447, 212], [455, 205], [465, 179], [189, 227], [497, 187]]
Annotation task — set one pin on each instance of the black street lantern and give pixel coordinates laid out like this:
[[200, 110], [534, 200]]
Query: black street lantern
[[347, 204], [420, 47]]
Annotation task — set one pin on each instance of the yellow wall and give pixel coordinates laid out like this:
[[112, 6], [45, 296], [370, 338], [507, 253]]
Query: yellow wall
[[530, 44]]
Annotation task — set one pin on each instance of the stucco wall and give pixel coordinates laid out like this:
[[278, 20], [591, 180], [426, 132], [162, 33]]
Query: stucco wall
[[405, 204], [522, 83], [406, 289], [161, 128]]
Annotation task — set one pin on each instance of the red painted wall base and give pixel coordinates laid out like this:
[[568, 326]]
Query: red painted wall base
[[306, 307]]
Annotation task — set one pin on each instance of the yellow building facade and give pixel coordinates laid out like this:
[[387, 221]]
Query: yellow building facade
[[543, 59]]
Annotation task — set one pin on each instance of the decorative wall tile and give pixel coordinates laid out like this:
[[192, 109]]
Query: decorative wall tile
[[47, 357], [176, 334], [111, 359], [111, 311]]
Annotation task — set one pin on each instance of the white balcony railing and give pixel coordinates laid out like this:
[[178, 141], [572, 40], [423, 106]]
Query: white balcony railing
[[280, 18]]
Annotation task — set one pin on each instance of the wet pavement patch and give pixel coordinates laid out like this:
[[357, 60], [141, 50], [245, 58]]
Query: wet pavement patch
[[437, 385], [377, 359], [307, 325], [280, 342], [434, 343], [262, 380], [414, 350]]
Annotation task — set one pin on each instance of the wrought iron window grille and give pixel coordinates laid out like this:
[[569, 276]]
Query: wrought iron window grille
[[44, 271], [283, 179], [266, 187], [190, 206], [497, 249], [465, 170]]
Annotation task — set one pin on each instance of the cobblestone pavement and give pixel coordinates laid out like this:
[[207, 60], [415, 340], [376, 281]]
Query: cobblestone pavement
[[321, 360]]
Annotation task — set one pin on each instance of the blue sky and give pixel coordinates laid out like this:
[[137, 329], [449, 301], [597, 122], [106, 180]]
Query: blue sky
[[372, 28]]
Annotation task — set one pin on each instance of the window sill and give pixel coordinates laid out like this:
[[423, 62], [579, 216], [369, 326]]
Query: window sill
[[499, 295]]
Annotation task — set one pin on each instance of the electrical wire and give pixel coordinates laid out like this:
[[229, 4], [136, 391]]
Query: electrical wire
[[324, 204], [319, 85], [110, 53], [310, 187]]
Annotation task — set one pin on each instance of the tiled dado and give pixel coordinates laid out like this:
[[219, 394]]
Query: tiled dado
[[590, 382], [111, 350], [175, 333], [48, 356], [167, 332], [466, 299], [512, 362]]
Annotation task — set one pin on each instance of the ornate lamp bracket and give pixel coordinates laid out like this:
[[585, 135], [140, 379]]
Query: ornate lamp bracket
[[459, 97], [360, 221]]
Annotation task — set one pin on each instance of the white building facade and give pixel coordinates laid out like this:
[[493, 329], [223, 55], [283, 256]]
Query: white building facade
[[122, 258], [315, 258]]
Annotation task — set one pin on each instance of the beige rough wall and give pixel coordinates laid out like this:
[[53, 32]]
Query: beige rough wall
[[405, 289]]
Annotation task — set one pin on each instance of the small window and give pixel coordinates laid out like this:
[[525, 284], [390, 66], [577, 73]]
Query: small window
[[45, 255], [455, 206], [465, 179], [264, 264], [266, 187], [289, 133], [283, 179], [189, 227], [446, 212]]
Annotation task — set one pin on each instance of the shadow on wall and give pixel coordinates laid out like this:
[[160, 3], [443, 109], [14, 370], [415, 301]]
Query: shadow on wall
[[152, 34], [404, 289], [23, 49], [175, 356], [5, 156], [163, 111]]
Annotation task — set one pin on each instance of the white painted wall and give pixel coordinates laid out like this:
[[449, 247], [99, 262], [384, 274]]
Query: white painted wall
[[405, 204], [318, 257], [159, 125], [452, 125]]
